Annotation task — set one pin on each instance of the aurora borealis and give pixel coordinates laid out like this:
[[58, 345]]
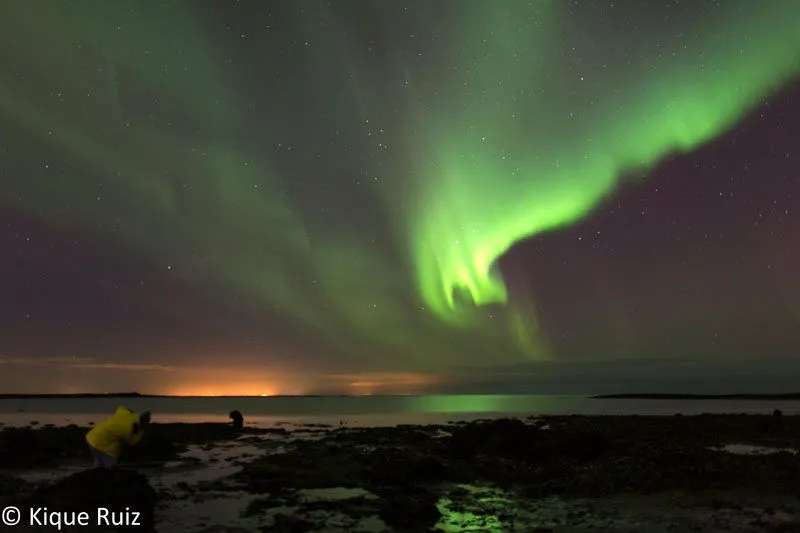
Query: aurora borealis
[[355, 189]]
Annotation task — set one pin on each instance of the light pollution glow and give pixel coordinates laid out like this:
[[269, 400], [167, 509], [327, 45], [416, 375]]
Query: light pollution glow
[[75, 375]]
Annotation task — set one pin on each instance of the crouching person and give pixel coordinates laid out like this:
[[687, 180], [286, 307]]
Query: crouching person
[[106, 439]]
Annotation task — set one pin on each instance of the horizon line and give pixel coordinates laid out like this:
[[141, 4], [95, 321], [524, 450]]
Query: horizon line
[[619, 396], [321, 395]]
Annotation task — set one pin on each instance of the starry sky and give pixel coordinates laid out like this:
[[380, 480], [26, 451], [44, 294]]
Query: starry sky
[[253, 197]]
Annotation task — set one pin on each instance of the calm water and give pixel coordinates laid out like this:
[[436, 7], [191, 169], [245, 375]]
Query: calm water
[[364, 410]]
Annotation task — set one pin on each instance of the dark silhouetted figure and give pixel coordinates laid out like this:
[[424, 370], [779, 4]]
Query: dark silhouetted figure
[[237, 420]]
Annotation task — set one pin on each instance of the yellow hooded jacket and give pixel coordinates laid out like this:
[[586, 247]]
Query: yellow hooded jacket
[[109, 435]]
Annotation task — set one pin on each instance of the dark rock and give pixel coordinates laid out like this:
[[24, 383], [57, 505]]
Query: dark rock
[[409, 509], [314, 465], [260, 506], [122, 492], [355, 508], [41, 448], [585, 445], [48, 447], [17, 446], [513, 439], [11, 489], [289, 524], [403, 466], [154, 447], [225, 529], [202, 433], [504, 437]]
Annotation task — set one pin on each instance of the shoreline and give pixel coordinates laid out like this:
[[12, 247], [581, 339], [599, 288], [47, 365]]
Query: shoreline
[[565, 474], [667, 396]]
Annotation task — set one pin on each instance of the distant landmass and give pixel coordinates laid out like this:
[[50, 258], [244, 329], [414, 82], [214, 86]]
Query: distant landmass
[[79, 395], [140, 395], [637, 396]]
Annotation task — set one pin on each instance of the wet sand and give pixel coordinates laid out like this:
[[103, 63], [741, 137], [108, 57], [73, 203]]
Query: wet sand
[[714, 473]]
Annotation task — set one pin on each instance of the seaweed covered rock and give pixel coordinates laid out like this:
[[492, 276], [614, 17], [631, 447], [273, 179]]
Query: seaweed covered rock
[[402, 466], [515, 439], [154, 447], [502, 437], [126, 496], [200, 433], [17, 447], [42, 447], [47, 447], [11, 488], [50, 446], [311, 465], [409, 509]]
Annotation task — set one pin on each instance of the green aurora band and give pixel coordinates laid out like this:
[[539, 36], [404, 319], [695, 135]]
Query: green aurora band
[[536, 116], [515, 156]]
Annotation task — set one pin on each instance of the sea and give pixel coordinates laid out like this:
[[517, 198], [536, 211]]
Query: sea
[[365, 411]]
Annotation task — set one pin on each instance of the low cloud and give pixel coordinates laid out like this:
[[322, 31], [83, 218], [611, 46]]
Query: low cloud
[[45, 361], [84, 362]]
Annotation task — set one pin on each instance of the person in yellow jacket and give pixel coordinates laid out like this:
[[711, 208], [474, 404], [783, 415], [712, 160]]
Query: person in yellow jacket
[[106, 439]]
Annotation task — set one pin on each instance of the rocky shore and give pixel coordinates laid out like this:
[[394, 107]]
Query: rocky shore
[[561, 474]]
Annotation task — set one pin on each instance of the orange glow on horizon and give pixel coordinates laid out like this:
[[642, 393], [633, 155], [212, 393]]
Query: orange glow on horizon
[[233, 381], [287, 385], [78, 375], [250, 388], [388, 383], [217, 391]]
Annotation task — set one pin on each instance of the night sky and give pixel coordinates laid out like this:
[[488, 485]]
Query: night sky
[[399, 197]]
